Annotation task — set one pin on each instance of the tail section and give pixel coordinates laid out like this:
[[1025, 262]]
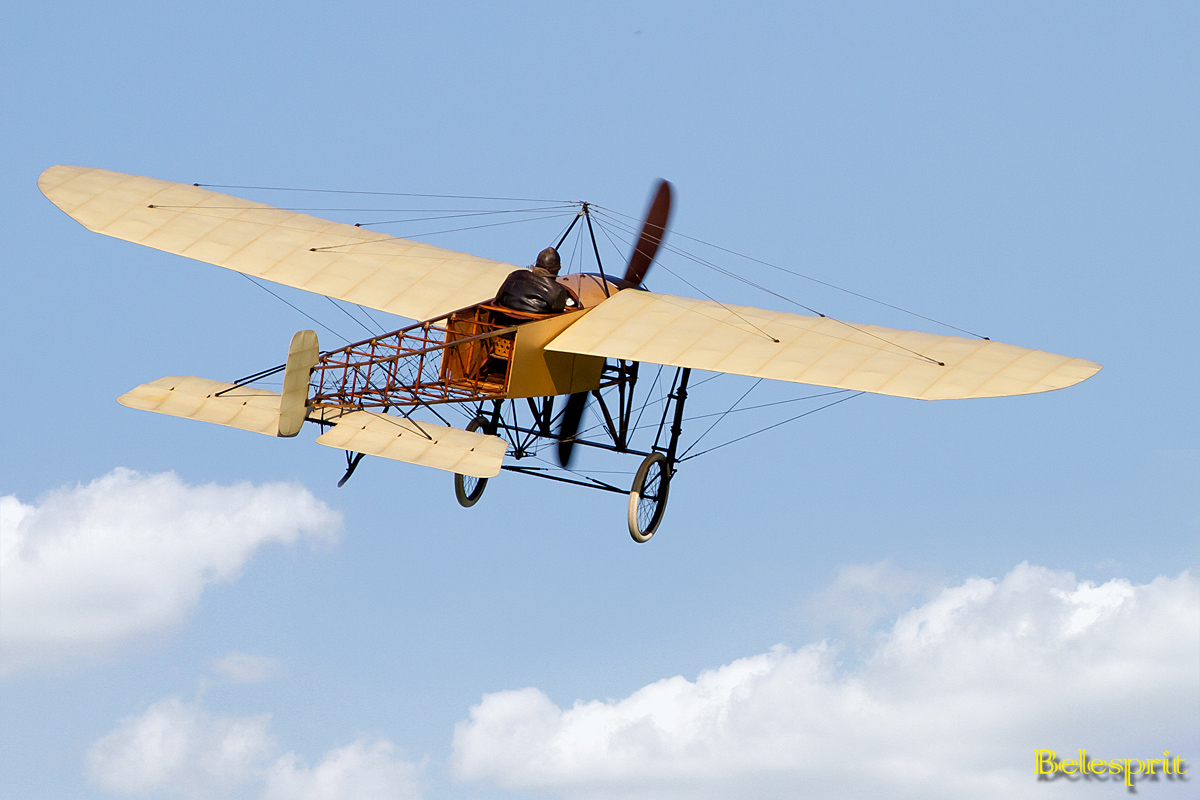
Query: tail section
[[206, 400], [302, 357]]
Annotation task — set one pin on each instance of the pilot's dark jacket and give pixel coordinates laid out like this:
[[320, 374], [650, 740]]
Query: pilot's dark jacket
[[523, 290]]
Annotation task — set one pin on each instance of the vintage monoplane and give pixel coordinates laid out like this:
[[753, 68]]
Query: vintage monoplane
[[506, 365]]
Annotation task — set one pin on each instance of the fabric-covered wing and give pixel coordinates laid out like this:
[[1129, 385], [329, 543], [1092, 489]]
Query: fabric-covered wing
[[190, 397], [678, 331], [421, 443], [401, 277]]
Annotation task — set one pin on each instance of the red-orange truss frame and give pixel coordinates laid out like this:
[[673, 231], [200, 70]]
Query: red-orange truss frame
[[460, 357]]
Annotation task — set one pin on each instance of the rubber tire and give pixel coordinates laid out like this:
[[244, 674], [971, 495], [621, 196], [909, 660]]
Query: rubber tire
[[635, 497], [468, 496]]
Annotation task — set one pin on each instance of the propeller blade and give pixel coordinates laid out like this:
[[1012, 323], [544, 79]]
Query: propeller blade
[[572, 416], [653, 231]]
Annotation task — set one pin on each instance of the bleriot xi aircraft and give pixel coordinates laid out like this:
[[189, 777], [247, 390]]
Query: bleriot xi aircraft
[[504, 342]]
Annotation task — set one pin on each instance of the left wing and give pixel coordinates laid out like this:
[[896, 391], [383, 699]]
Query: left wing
[[701, 334], [399, 276]]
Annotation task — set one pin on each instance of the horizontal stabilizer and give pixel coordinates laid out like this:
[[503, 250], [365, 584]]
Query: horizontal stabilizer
[[197, 398], [421, 443]]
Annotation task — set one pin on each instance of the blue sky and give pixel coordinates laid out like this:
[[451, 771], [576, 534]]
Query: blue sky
[[1023, 171]]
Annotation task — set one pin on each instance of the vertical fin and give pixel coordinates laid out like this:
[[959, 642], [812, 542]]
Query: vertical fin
[[303, 355]]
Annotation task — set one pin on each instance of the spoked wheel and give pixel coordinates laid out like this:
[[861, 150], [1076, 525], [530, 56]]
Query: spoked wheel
[[648, 497], [469, 489]]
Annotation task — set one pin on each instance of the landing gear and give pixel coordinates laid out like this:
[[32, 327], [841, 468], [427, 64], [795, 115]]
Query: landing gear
[[468, 489], [648, 497]]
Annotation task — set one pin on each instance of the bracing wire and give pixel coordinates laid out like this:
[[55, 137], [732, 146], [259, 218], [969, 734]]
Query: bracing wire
[[776, 425], [566, 229], [305, 313], [380, 194], [374, 321], [701, 291], [662, 398], [463, 212], [467, 214], [729, 411], [429, 233], [343, 309], [812, 279], [581, 474], [722, 416], [735, 276], [649, 392], [703, 262]]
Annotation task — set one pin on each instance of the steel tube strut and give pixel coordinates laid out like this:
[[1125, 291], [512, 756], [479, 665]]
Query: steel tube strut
[[680, 397]]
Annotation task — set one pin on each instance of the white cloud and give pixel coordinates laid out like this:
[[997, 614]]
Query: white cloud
[[177, 749], [865, 594], [950, 704], [247, 668], [128, 554], [361, 770]]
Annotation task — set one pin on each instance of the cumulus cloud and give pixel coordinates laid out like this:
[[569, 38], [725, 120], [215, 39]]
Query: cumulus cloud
[[247, 668], [950, 703], [177, 749], [862, 595], [362, 770], [91, 566]]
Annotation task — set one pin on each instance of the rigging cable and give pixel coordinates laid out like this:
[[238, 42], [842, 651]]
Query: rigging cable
[[851, 325], [357, 321], [776, 425], [462, 212], [646, 404], [662, 397], [374, 321], [814, 280], [746, 408], [717, 421], [430, 233], [706, 294], [466, 214], [379, 194], [305, 313]]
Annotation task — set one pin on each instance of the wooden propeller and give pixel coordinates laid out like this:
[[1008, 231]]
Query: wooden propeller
[[572, 416], [654, 228]]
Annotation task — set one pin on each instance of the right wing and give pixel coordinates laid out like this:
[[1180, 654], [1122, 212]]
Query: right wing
[[702, 334], [402, 277]]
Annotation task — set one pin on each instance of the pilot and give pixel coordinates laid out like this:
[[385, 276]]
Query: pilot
[[535, 290]]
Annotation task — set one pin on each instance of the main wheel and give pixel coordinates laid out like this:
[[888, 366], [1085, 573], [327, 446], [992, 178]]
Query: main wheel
[[468, 489], [648, 497]]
